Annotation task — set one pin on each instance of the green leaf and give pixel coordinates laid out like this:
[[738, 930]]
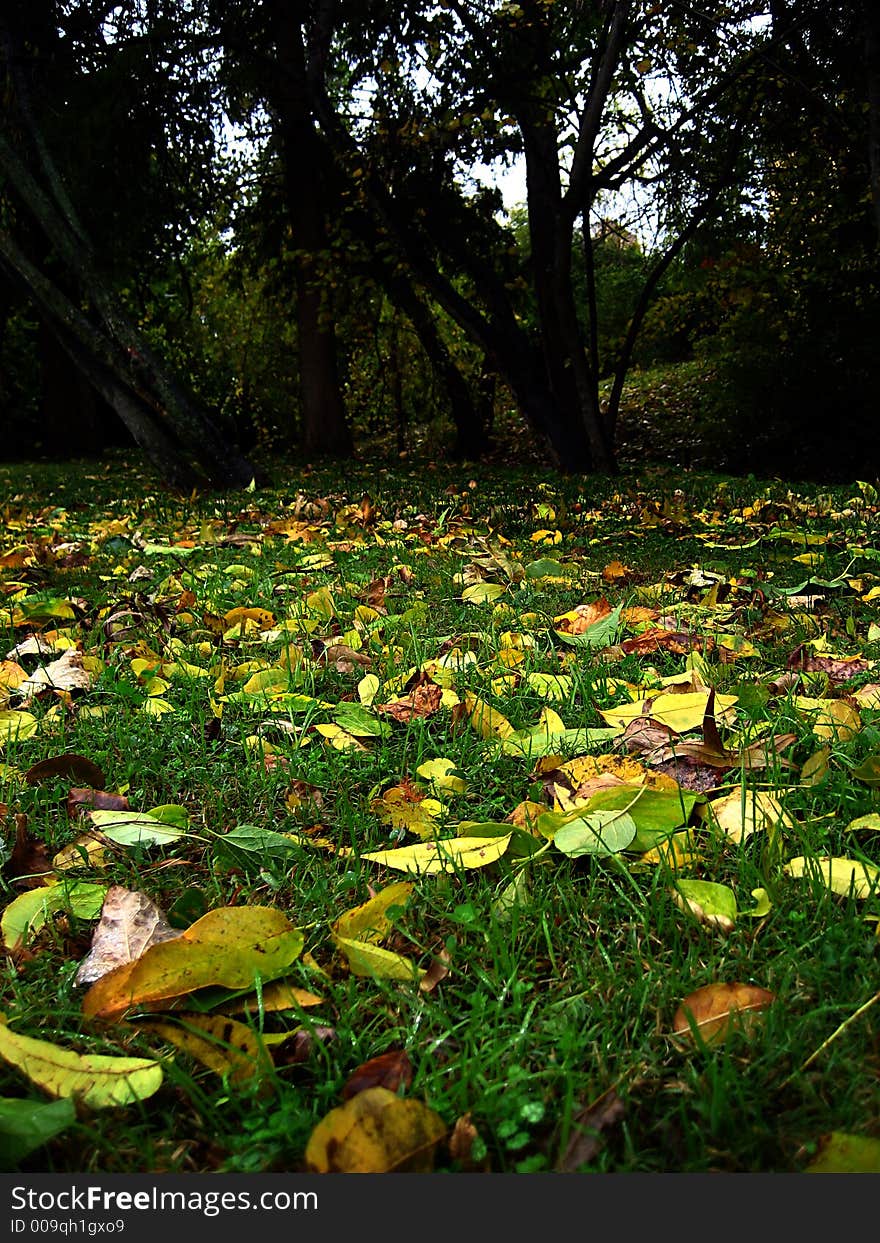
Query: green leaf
[[600, 634], [28, 1124], [712, 904], [869, 771], [602, 833], [32, 910], [135, 828], [840, 1153], [657, 813], [249, 846], [93, 1080]]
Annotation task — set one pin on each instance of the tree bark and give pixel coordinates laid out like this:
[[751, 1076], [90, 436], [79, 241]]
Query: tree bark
[[325, 428]]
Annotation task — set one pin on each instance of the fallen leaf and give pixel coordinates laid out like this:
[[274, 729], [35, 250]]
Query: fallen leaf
[[837, 874], [230, 946], [445, 855], [587, 1125], [389, 1070], [744, 812], [31, 911], [374, 963], [840, 1153], [222, 1044], [130, 923], [715, 1009], [95, 1081], [28, 1124], [375, 1132], [370, 921], [710, 903], [77, 767]]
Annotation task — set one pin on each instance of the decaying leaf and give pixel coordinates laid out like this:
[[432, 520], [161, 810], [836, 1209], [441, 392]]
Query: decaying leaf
[[716, 1009], [840, 1153], [77, 767], [218, 1042], [130, 923], [585, 1139], [375, 1132]]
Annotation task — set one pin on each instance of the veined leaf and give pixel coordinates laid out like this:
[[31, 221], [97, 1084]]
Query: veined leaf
[[95, 1081], [447, 855]]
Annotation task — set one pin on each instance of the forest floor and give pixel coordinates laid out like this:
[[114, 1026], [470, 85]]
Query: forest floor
[[534, 817]]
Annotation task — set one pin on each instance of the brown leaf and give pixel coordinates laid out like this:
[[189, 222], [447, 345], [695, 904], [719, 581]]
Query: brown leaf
[[30, 860], [77, 767], [461, 1142], [714, 1009], [130, 923], [81, 799], [582, 617], [388, 1070], [839, 668], [423, 700], [679, 641], [438, 970], [301, 1043], [585, 1139], [344, 658]]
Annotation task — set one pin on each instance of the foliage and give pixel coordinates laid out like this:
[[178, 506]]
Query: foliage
[[438, 821]]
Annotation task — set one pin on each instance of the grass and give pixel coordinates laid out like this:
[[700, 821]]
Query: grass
[[564, 973]]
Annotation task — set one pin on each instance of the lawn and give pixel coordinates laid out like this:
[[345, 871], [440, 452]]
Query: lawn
[[458, 821]]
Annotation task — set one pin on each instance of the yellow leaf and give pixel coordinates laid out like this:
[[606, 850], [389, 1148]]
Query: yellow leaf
[[743, 813], [372, 962], [16, 725], [368, 688], [231, 946], [439, 773], [95, 1081], [446, 855], [830, 718], [277, 996], [837, 874], [157, 707], [486, 721], [555, 686], [369, 921], [679, 712], [222, 1044], [375, 1132], [262, 618]]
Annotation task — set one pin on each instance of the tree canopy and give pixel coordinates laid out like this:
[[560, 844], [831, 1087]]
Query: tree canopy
[[239, 219]]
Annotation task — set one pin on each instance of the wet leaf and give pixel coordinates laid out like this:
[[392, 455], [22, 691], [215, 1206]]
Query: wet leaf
[[94, 1081], [375, 1132], [372, 962]]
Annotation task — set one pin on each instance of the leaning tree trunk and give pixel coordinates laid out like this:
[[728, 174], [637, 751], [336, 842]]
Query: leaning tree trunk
[[94, 357], [223, 465]]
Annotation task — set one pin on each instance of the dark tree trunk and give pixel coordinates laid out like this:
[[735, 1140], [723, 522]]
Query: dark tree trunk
[[872, 74], [118, 337], [325, 428]]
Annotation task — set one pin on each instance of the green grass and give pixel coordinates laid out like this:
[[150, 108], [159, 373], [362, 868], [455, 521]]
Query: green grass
[[550, 1000]]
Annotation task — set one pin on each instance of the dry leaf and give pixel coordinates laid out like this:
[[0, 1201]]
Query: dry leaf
[[130, 923], [388, 1070]]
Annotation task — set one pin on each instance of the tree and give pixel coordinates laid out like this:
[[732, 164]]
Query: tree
[[69, 268], [590, 96]]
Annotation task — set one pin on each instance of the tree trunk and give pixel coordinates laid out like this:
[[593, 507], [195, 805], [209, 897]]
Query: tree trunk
[[325, 428], [221, 461]]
